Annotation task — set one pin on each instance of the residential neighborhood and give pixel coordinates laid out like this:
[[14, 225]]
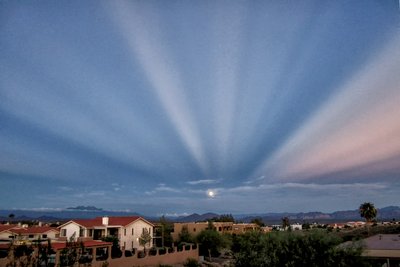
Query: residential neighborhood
[[89, 238]]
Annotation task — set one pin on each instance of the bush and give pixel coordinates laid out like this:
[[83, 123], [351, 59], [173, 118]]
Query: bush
[[313, 249], [191, 263]]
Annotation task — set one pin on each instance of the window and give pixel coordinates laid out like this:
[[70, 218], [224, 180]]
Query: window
[[81, 232], [132, 232], [194, 229], [125, 232], [30, 236], [63, 232], [44, 236]]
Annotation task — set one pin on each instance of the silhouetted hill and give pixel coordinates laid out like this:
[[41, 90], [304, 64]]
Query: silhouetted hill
[[59, 215], [387, 213], [197, 217], [85, 208]]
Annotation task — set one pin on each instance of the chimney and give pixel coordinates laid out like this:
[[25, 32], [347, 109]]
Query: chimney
[[105, 220]]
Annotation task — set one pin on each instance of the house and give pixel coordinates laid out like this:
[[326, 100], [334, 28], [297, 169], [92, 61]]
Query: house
[[355, 224], [128, 230], [34, 233], [296, 227], [241, 228], [337, 225], [5, 234], [381, 249], [194, 228], [18, 233]]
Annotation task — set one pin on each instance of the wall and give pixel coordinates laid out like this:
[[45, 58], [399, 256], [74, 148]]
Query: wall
[[71, 229], [171, 258], [167, 259], [137, 227]]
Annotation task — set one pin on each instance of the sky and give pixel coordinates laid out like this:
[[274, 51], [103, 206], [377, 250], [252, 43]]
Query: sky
[[175, 107]]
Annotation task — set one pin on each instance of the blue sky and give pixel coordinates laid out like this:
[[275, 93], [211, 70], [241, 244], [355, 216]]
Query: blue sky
[[149, 105]]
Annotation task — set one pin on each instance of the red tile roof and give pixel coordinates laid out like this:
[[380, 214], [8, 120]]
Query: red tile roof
[[33, 230], [112, 221], [5, 227]]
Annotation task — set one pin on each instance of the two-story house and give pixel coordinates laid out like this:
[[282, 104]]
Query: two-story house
[[127, 229]]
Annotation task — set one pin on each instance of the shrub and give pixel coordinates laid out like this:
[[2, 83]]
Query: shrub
[[191, 263]]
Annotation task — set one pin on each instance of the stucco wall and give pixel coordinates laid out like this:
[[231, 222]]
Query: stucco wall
[[166, 259], [71, 229], [137, 227], [172, 258]]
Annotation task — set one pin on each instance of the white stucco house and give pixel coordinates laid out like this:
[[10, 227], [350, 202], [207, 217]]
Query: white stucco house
[[15, 232], [127, 229]]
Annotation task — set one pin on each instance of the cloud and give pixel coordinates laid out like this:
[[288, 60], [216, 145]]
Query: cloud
[[199, 182], [246, 189], [162, 188]]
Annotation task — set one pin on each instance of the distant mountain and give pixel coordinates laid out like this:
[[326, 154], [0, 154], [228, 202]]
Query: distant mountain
[[85, 208], [83, 212], [60, 215], [196, 217], [387, 213]]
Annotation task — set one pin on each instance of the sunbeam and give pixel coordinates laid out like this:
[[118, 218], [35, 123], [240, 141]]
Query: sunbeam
[[359, 126], [164, 76]]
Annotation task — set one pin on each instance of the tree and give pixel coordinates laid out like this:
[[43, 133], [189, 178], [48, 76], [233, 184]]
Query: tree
[[145, 238], [295, 249], [115, 249], [185, 236], [163, 232], [258, 221], [285, 223], [224, 218], [211, 241], [368, 211], [11, 217], [71, 253]]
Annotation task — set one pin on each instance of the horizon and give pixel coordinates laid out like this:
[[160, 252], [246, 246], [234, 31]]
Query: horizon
[[219, 106], [43, 212]]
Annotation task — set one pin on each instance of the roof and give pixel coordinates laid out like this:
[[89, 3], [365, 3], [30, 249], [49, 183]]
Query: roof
[[383, 242], [112, 221], [33, 230], [5, 227]]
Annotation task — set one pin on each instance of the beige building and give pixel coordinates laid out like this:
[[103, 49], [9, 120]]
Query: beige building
[[18, 233], [194, 228], [127, 229]]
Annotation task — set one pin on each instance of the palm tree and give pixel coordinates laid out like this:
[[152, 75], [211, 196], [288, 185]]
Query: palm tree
[[368, 211]]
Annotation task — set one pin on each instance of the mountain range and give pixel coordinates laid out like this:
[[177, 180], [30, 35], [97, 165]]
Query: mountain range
[[387, 213]]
